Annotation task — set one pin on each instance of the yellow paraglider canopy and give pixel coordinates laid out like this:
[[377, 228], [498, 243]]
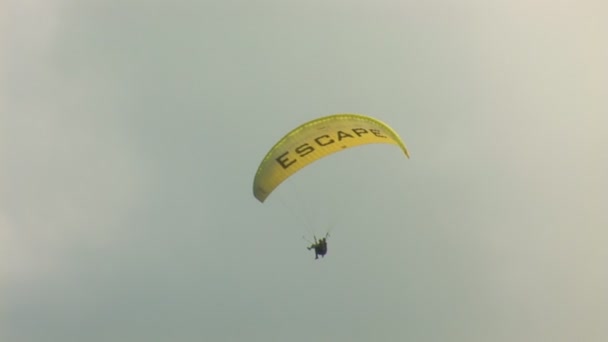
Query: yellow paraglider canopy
[[316, 139]]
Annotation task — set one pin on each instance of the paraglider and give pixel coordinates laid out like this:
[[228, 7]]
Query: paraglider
[[320, 247], [314, 140]]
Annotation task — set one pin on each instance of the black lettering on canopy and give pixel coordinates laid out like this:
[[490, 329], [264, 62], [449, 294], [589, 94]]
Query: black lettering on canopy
[[284, 161], [327, 142], [304, 149], [342, 135], [360, 131], [377, 133]]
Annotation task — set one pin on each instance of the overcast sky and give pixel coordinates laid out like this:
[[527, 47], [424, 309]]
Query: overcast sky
[[130, 133]]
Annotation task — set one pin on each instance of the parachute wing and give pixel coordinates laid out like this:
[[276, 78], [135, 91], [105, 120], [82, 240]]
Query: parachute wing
[[316, 139]]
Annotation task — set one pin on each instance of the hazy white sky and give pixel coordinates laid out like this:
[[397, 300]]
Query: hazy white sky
[[130, 132]]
